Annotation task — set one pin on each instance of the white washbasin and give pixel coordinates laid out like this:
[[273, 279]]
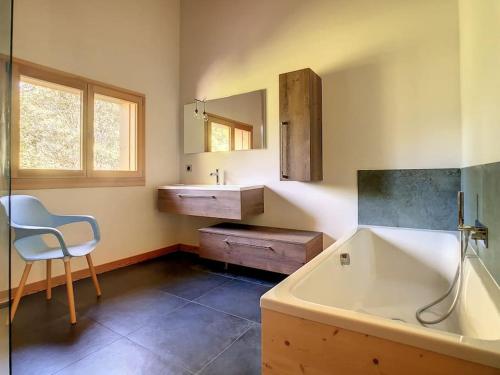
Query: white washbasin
[[211, 187]]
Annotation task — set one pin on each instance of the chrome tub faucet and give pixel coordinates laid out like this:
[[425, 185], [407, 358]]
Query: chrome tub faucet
[[477, 232]]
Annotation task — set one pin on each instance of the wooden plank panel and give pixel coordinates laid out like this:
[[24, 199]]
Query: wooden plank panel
[[314, 247], [292, 345], [316, 132], [252, 202]]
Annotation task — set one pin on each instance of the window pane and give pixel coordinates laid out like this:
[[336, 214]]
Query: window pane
[[50, 125], [115, 132], [220, 137], [242, 139]]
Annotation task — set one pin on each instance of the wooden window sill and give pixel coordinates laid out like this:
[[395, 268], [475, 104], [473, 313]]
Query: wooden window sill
[[75, 182]]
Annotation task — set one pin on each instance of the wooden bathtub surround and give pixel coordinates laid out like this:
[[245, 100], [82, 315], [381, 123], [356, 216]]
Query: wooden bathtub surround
[[292, 345], [271, 249], [223, 204]]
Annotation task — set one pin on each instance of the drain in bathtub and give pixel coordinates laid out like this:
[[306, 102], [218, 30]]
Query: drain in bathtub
[[345, 259]]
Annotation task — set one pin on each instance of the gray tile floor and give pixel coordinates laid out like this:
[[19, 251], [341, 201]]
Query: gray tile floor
[[174, 315]]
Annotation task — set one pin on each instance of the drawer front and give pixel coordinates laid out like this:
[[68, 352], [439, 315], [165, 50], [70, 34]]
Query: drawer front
[[208, 203], [267, 255]]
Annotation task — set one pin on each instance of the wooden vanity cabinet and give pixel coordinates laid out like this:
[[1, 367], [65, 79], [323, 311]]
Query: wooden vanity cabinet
[[300, 126], [223, 204], [271, 249]]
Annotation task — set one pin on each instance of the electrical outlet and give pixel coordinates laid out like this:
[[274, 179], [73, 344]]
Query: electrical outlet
[[189, 168]]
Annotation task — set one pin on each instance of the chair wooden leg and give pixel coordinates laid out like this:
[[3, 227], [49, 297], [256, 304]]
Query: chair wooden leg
[[49, 279], [93, 274], [69, 289], [20, 290]]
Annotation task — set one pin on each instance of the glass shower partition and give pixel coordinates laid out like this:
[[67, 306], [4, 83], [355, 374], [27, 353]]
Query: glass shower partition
[[5, 94]]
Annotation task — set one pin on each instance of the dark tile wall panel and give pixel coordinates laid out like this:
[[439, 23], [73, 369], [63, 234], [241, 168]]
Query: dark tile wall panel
[[409, 198]]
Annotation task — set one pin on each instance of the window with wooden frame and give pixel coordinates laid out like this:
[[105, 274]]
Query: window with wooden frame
[[224, 134], [70, 131]]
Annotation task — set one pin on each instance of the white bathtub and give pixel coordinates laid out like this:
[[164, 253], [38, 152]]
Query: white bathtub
[[393, 272]]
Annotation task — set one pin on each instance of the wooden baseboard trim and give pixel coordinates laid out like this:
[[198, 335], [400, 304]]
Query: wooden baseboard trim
[[38, 286], [189, 248]]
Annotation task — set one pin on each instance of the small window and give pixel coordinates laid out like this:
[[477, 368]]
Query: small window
[[69, 131], [51, 120], [115, 134]]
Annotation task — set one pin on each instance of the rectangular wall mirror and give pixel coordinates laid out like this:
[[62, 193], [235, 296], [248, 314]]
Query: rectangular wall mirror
[[234, 123]]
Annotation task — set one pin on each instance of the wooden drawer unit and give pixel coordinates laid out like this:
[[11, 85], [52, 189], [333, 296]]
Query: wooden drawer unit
[[225, 204], [271, 249]]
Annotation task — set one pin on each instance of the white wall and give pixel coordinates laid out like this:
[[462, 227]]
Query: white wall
[[480, 80], [391, 96], [193, 130], [128, 43]]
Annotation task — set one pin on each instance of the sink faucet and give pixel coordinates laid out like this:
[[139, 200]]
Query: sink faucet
[[217, 177], [477, 231]]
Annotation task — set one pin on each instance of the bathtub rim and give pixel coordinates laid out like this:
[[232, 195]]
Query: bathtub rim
[[281, 299]]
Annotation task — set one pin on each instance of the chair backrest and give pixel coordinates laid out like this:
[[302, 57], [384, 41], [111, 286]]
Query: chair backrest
[[27, 210]]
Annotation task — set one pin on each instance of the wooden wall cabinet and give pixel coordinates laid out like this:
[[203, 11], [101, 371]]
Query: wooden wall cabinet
[[300, 126]]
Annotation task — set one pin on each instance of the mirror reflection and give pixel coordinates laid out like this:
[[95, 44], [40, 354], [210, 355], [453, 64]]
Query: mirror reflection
[[234, 123]]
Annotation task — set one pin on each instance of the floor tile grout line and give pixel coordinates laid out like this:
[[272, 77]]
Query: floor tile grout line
[[85, 356], [233, 277], [222, 285], [211, 290], [211, 308], [121, 336], [103, 325], [251, 324], [157, 355], [223, 351], [187, 302], [239, 278], [187, 299], [225, 312]]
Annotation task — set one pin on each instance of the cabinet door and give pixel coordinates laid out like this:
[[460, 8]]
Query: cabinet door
[[300, 126]]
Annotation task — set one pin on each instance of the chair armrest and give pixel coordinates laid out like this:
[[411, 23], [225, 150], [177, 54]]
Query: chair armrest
[[68, 219], [29, 230]]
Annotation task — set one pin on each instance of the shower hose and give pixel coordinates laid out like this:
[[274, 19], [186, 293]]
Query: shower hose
[[455, 285]]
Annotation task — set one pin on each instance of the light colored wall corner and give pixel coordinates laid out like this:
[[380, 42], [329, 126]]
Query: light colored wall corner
[[131, 45], [391, 96], [480, 80]]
